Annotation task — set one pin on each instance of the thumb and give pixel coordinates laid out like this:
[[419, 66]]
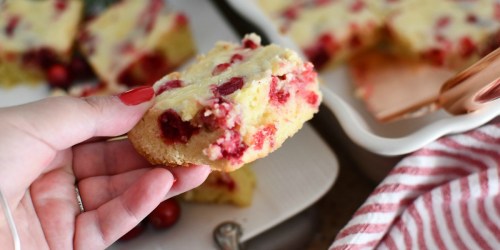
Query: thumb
[[62, 122]]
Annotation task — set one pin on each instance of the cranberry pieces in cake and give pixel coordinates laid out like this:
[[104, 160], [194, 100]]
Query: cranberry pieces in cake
[[225, 180], [267, 133], [218, 114], [277, 94], [219, 68], [229, 87], [172, 84], [11, 25], [230, 147], [321, 52], [248, 43], [174, 129]]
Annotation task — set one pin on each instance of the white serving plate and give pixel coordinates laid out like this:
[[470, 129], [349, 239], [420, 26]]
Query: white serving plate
[[288, 181], [389, 139]]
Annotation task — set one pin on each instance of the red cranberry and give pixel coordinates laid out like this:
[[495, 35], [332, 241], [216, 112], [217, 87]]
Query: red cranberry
[[220, 68], [326, 39], [236, 57], [229, 87], [234, 147], [148, 18], [249, 44], [60, 5], [223, 66], [467, 47], [165, 215], [215, 117], [79, 68], [231, 145], [321, 52], [321, 2], [312, 98], [355, 41], [260, 137], [435, 56], [225, 180], [59, 76], [134, 232], [43, 58], [291, 12], [11, 25], [181, 19], [496, 11], [471, 18], [277, 96], [357, 6], [443, 22], [172, 84], [174, 129]]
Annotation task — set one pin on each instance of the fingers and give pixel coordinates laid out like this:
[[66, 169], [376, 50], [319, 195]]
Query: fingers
[[187, 178], [62, 122], [54, 199], [114, 217], [96, 191], [106, 158], [97, 229]]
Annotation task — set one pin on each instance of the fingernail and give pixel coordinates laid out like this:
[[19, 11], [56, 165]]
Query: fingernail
[[137, 95]]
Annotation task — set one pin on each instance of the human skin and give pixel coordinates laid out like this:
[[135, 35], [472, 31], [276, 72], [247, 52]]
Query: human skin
[[50, 146]]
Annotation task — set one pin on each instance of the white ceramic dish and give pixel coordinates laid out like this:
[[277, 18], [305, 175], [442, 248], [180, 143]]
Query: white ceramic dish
[[389, 139], [288, 181]]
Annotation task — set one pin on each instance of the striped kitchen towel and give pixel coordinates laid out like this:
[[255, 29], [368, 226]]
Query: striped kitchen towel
[[444, 196]]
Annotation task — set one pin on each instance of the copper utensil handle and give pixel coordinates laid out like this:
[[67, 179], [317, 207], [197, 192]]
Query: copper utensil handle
[[474, 87]]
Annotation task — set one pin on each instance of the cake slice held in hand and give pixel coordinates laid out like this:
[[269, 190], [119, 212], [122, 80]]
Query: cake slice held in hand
[[237, 103]]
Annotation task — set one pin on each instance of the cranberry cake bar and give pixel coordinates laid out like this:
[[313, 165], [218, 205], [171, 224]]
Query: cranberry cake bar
[[136, 42], [235, 188], [328, 31], [34, 35], [450, 33], [234, 105]]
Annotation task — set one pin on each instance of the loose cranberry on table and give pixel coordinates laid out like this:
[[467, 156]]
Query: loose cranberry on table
[[59, 76], [165, 215], [79, 68]]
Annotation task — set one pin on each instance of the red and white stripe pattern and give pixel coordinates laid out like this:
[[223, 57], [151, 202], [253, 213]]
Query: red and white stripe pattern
[[444, 196]]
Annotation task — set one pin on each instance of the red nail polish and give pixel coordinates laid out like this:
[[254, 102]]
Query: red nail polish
[[137, 95]]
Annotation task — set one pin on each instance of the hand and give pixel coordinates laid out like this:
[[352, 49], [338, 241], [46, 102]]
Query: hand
[[46, 150]]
